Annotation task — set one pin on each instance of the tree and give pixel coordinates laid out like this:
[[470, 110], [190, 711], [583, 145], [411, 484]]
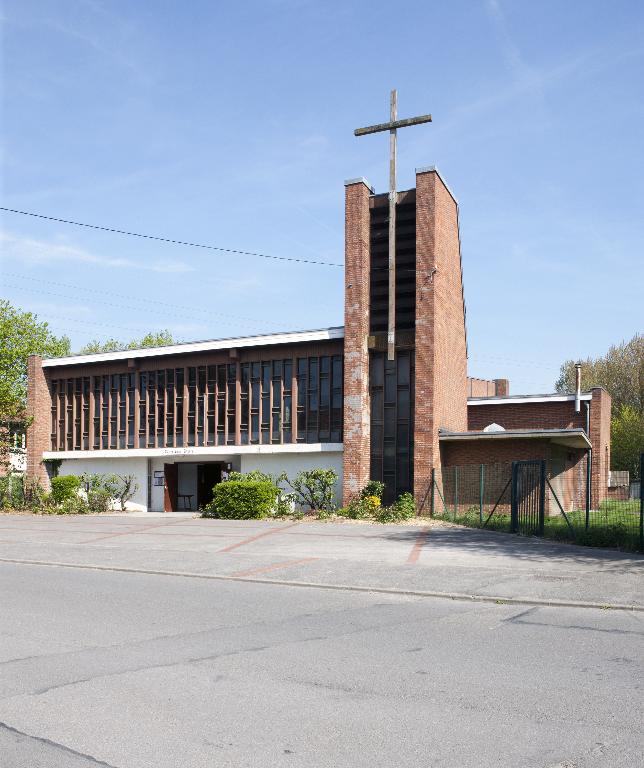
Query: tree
[[21, 335], [152, 339], [627, 440], [620, 371]]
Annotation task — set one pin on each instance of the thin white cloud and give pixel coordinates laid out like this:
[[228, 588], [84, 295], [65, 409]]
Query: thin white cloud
[[22, 250], [509, 49]]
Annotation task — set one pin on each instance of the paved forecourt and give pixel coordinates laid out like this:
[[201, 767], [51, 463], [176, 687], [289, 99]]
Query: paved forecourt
[[427, 558]]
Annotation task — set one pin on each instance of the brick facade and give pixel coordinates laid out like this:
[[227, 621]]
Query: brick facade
[[509, 415], [441, 357], [461, 453], [39, 410], [487, 388], [554, 415], [600, 410], [356, 332], [441, 386]]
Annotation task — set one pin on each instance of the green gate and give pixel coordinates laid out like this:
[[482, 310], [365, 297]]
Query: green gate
[[528, 499]]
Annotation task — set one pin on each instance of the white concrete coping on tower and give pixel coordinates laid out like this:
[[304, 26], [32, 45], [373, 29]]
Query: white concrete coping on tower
[[360, 180], [434, 169]]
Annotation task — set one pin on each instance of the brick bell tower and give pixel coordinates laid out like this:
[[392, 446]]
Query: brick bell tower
[[393, 409]]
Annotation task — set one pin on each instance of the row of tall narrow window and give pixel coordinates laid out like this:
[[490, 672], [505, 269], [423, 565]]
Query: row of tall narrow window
[[226, 404]]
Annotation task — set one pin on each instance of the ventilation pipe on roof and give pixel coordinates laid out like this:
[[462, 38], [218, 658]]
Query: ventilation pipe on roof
[[577, 387]]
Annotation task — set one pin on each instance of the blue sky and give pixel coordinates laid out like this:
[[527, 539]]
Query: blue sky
[[232, 125]]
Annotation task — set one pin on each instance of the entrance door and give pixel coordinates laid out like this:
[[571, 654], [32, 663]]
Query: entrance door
[[170, 485], [208, 475]]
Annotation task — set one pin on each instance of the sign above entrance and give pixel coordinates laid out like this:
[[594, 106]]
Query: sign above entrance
[[178, 451]]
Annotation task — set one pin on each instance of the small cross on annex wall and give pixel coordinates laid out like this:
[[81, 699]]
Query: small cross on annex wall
[[392, 126]]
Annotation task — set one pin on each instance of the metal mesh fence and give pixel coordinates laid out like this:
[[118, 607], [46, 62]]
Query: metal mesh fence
[[477, 495], [480, 495]]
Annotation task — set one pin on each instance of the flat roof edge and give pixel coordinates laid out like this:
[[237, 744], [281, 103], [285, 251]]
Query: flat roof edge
[[263, 340], [518, 399], [509, 434]]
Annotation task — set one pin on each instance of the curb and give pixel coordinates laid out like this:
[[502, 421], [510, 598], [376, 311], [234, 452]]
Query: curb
[[498, 600]]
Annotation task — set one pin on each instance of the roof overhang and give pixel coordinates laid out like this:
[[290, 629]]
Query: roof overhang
[[570, 438], [297, 337]]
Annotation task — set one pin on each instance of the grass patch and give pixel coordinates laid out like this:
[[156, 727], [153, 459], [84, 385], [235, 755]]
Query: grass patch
[[613, 525]]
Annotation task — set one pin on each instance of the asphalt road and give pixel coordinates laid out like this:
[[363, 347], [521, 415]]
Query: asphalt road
[[104, 664], [103, 668]]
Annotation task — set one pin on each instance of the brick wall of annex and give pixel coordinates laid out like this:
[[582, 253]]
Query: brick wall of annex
[[441, 361], [557, 415], [600, 412], [460, 453], [39, 409], [356, 331]]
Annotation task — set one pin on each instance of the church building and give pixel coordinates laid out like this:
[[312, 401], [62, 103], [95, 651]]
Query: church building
[[361, 400]]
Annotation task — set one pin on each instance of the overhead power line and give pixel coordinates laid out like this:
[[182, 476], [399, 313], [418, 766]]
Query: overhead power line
[[202, 314], [119, 306], [170, 240]]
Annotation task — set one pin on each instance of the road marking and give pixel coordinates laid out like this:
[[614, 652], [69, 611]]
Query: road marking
[[127, 533], [257, 536], [273, 567], [418, 546]]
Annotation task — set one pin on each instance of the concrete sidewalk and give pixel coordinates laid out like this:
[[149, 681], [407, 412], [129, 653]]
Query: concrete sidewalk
[[431, 559]]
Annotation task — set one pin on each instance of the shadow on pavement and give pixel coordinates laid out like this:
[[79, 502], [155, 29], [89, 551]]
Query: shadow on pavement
[[531, 549]]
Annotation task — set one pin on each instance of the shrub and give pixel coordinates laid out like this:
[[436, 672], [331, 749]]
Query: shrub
[[125, 488], [405, 505], [74, 505], [255, 475], [361, 508], [21, 492], [102, 490], [404, 508], [315, 488], [11, 492], [64, 487], [373, 488], [285, 505], [242, 500], [34, 494]]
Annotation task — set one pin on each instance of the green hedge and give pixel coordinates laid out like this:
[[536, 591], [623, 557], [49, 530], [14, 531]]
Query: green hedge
[[65, 487], [242, 500]]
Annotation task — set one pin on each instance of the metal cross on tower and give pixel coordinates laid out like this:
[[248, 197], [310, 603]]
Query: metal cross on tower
[[392, 127]]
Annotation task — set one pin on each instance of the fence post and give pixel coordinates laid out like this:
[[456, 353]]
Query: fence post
[[514, 508], [641, 502], [455, 492], [431, 507], [542, 497], [481, 491]]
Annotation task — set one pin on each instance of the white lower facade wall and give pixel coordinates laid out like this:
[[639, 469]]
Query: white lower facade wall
[[121, 466], [148, 470], [292, 463]]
